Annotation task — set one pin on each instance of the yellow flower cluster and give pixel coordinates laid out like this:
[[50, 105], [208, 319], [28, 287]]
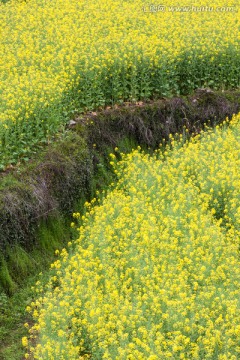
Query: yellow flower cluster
[[62, 55], [155, 271]]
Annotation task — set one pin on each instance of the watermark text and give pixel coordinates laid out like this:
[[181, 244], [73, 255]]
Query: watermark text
[[154, 8]]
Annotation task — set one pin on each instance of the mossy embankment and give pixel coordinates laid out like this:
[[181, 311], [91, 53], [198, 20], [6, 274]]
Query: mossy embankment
[[72, 168], [38, 198]]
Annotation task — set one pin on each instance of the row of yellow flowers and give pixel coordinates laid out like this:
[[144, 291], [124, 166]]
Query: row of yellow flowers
[[154, 273], [59, 56]]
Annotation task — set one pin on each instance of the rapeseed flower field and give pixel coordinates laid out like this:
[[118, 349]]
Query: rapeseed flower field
[[154, 273], [62, 56]]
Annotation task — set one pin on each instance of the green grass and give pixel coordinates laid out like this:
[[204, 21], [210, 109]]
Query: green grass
[[19, 269], [18, 274]]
